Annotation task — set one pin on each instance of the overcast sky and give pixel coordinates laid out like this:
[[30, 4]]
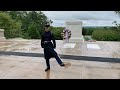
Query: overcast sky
[[89, 18]]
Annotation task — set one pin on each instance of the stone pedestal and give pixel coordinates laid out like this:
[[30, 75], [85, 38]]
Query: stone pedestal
[[76, 31], [2, 34]]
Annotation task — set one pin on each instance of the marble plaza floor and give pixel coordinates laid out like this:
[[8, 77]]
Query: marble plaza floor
[[25, 67]]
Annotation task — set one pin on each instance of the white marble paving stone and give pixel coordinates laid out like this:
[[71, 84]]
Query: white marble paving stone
[[93, 46], [69, 45]]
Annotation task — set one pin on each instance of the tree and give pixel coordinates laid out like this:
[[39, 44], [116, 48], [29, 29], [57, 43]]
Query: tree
[[33, 32], [23, 23], [115, 22], [30, 19], [12, 28], [117, 25]]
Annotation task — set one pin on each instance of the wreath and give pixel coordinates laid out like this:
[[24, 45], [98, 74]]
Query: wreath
[[66, 34]]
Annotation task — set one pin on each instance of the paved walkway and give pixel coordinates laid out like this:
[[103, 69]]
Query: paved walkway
[[20, 67], [81, 62], [107, 49]]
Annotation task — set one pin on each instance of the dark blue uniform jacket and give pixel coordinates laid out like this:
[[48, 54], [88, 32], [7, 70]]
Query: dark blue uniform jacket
[[48, 43]]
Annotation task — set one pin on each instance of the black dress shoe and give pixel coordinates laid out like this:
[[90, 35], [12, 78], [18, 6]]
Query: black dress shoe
[[62, 64], [48, 68]]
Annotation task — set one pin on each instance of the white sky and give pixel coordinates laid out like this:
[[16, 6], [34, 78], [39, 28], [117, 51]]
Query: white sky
[[89, 18]]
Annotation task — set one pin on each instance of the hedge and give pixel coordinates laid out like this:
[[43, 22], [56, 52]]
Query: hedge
[[106, 35]]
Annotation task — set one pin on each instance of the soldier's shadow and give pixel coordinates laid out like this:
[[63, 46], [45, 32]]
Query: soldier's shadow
[[48, 74], [67, 64]]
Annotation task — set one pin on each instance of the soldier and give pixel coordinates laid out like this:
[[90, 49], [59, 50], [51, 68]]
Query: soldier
[[49, 47]]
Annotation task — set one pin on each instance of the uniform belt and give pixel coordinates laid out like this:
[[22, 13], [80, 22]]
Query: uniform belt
[[46, 41]]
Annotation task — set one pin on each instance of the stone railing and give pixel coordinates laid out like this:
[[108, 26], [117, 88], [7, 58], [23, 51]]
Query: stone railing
[[2, 34]]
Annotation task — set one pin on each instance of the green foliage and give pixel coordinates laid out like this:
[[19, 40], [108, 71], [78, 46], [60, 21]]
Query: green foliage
[[106, 35], [117, 26], [25, 36], [12, 28], [90, 30], [25, 24], [87, 31], [33, 22], [57, 32], [33, 31], [86, 38]]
